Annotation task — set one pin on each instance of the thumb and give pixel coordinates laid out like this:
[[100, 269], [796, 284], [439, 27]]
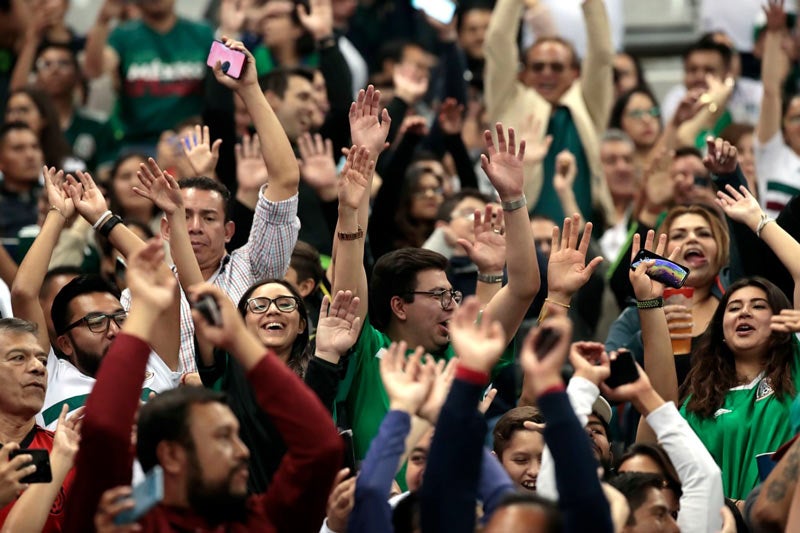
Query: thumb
[[215, 147], [302, 13], [467, 245], [593, 264]]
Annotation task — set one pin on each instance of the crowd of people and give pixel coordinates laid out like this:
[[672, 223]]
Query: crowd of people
[[397, 275]]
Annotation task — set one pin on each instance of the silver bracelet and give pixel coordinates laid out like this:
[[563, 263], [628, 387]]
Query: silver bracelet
[[763, 222], [103, 218], [513, 205], [490, 278]]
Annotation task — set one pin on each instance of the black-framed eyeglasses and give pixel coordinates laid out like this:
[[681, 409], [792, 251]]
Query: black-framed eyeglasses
[[99, 322], [445, 296], [261, 304]]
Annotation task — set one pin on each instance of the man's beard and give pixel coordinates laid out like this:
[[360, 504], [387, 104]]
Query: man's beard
[[87, 362], [215, 502]]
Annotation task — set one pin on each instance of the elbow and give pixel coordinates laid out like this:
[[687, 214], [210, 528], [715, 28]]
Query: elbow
[[23, 292], [767, 517]]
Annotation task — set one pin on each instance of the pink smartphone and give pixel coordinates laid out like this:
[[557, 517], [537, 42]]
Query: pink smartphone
[[232, 60]]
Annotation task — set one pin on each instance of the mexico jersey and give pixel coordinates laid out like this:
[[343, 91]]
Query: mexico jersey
[[66, 384], [40, 438]]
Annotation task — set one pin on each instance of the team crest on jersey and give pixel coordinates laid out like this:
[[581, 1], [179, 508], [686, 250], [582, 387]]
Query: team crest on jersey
[[764, 390], [148, 376], [721, 412]]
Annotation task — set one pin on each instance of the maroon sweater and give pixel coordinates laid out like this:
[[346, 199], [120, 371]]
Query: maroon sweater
[[299, 490]]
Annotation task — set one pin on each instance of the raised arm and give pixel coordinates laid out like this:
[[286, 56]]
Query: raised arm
[[742, 207], [100, 57], [284, 174], [502, 56], [299, 491], [504, 168], [30, 276], [774, 67], [105, 458], [487, 251], [597, 72]]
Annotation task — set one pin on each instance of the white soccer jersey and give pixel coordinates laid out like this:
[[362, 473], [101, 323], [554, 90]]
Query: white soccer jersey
[[66, 384]]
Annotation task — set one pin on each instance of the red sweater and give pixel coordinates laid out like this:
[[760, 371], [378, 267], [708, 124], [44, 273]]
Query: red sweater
[[296, 498]]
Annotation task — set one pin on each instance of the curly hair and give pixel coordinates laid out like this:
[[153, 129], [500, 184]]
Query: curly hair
[[713, 370]]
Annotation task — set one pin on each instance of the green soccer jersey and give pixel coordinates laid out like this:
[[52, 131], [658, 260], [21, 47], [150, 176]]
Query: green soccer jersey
[[161, 76], [752, 420], [92, 139], [362, 388]]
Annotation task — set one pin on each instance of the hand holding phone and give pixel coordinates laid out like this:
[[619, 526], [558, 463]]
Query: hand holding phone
[[623, 370], [663, 270], [146, 495], [40, 458], [231, 61], [349, 452], [548, 337], [208, 307]]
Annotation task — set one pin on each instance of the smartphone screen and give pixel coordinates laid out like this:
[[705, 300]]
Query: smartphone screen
[[146, 495], [663, 271], [441, 10], [349, 452], [548, 338], [623, 370], [40, 458], [232, 61]]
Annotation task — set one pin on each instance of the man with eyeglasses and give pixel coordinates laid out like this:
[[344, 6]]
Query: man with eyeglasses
[[554, 95]]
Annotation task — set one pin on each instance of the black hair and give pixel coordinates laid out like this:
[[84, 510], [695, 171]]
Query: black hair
[[475, 5], [166, 418], [306, 262], [55, 147], [298, 360], [63, 270], [618, 111], [83, 284], [707, 43], [14, 125], [205, 183], [687, 151], [511, 422], [395, 274], [634, 486], [656, 453], [113, 202], [406, 516], [277, 80], [446, 209], [637, 64], [553, 518]]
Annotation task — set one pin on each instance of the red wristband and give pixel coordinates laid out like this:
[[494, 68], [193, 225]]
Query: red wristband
[[476, 377], [553, 388]]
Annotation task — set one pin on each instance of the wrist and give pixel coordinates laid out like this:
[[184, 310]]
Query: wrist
[[490, 275], [647, 402], [547, 384], [510, 196], [558, 299], [400, 405]]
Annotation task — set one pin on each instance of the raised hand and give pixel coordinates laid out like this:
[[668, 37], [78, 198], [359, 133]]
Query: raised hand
[[413, 124], [504, 164], [776, 16], [566, 171], [355, 176], [201, 153], [251, 170], [590, 361], [721, 157], [159, 187], [407, 382], [317, 167], [149, 284], [365, 128], [740, 205], [688, 107], [451, 116], [567, 270], [113, 502], [488, 251], [87, 198], [319, 22], [57, 196], [248, 77], [12, 471], [478, 346], [535, 151], [67, 437], [341, 500], [543, 370], [338, 325], [410, 83], [232, 15], [658, 186], [443, 376], [638, 392], [787, 321], [644, 287]]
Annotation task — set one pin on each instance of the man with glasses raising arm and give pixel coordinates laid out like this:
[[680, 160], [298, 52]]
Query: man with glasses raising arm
[[410, 297]]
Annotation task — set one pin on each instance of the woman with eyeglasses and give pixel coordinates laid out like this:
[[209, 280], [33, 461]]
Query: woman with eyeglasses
[[274, 311], [636, 112]]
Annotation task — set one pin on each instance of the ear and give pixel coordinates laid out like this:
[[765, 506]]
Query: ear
[[172, 457], [64, 344], [398, 306], [302, 327], [274, 100], [306, 287], [165, 229], [230, 228]]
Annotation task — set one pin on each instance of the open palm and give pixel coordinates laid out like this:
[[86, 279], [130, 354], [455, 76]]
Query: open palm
[[740, 205], [251, 170], [567, 270], [365, 127], [338, 326], [488, 251], [504, 164], [158, 187], [355, 177]]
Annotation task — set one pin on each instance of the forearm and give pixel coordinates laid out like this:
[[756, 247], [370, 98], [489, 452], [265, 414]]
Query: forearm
[[348, 270], [570, 205], [24, 65], [371, 511], [180, 247], [659, 362], [521, 263], [94, 51], [450, 484], [597, 79], [486, 291], [581, 497], [284, 174], [465, 167], [32, 508], [322, 377], [8, 268], [785, 247], [772, 68], [774, 502], [701, 479], [502, 55]]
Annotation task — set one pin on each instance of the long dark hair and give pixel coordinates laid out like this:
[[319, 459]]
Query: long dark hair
[[298, 358], [55, 147], [713, 370], [113, 201], [618, 111], [411, 231]]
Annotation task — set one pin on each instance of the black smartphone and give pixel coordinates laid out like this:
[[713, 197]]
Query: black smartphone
[[209, 308], [349, 452], [547, 338], [40, 458], [663, 271], [623, 370]]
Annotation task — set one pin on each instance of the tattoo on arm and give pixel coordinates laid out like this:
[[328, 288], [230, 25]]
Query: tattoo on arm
[[782, 487]]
